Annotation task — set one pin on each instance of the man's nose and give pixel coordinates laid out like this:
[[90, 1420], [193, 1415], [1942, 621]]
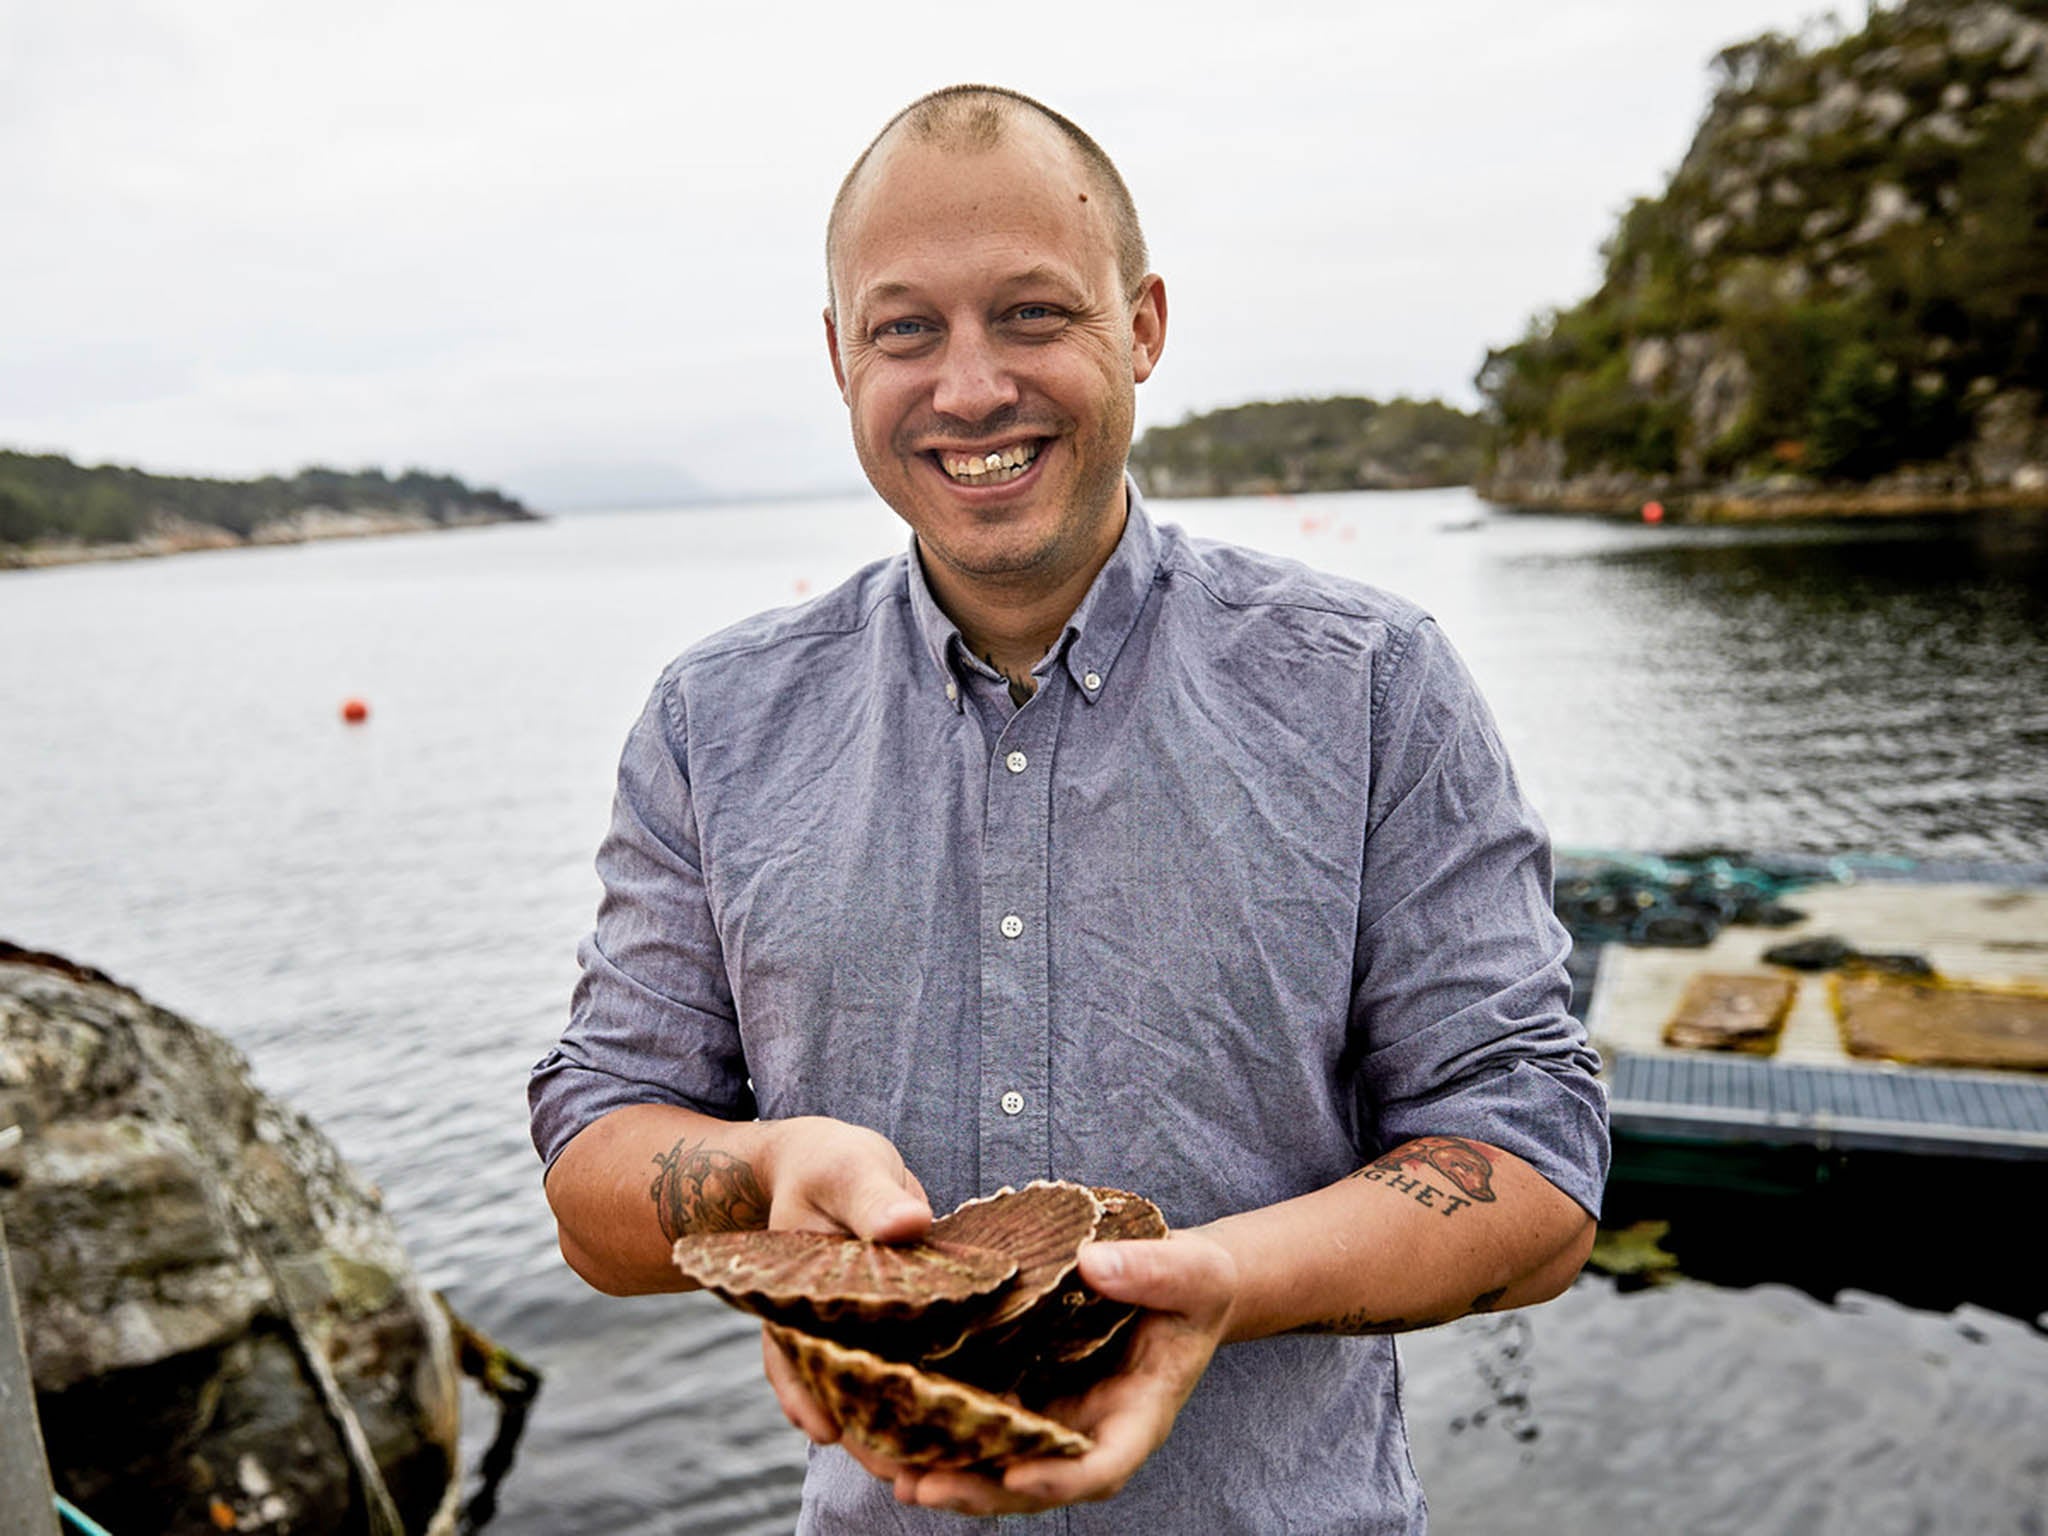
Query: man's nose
[[973, 380]]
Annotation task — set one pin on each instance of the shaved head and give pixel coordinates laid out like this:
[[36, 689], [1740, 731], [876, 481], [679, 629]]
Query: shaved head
[[973, 119]]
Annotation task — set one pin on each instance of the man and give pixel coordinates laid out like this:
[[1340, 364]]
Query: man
[[1066, 846]]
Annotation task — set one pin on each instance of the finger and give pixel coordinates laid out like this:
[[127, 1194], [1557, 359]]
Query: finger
[[966, 1493], [1101, 1474], [1130, 1421], [876, 1464], [1191, 1275], [871, 1204], [794, 1398]]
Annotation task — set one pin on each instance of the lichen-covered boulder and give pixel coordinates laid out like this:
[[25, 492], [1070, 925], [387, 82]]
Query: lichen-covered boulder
[[198, 1272]]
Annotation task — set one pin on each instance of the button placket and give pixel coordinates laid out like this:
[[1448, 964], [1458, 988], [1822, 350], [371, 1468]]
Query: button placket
[[1015, 1130]]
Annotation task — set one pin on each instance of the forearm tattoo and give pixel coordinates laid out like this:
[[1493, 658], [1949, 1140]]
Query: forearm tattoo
[[700, 1190], [1442, 1173], [1362, 1321]]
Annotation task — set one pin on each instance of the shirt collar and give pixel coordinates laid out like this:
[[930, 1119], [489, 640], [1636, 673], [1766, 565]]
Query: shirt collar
[[1094, 636]]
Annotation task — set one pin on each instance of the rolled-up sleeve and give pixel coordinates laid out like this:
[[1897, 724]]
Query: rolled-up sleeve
[[652, 1018], [1461, 1006]]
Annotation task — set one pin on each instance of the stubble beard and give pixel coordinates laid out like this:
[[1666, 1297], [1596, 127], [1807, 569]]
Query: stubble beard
[[1015, 563]]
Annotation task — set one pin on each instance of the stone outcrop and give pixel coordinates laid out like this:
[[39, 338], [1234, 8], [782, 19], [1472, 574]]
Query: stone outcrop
[[1840, 302], [217, 1309]]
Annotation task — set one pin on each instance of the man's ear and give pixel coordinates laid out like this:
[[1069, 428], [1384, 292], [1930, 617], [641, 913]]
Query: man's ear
[[832, 346], [1148, 327]]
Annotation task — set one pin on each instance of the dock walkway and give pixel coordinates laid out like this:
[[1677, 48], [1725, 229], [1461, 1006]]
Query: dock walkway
[[1810, 1091]]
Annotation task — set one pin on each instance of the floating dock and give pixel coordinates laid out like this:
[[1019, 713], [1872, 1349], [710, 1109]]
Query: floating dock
[[1809, 1091]]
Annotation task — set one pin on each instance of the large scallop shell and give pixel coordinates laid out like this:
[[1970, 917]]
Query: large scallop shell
[[1042, 1226], [1080, 1321], [1040, 1354], [825, 1282], [915, 1417], [907, 1347]]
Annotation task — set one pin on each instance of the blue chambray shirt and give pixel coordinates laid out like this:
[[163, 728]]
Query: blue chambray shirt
[[1244, 895]]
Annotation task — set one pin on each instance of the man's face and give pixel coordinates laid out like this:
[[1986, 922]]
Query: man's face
[[980, 315]]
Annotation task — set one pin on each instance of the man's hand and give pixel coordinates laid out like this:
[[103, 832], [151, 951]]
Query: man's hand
[[1186, 1284], [829, 1176], [833, 1177], [635, 1180]]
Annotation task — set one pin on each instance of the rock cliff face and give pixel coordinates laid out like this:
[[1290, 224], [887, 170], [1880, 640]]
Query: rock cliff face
[[1841, 299], [192, 1260]]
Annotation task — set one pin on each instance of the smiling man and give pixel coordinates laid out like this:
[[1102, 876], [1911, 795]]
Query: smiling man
[[987, 330], [1063, 845]]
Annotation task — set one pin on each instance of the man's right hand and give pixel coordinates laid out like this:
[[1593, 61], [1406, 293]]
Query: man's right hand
[[632, 1182], [829, 1176], [833, 1177]]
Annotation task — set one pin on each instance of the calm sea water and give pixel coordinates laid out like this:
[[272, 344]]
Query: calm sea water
[[384, 919]]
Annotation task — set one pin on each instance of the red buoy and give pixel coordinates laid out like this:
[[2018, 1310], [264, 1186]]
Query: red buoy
[[355, 711], [1653, 511]]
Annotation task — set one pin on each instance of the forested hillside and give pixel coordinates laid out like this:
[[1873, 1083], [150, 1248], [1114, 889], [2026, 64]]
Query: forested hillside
[[47, 500], [1346, 443], [1844, 287]]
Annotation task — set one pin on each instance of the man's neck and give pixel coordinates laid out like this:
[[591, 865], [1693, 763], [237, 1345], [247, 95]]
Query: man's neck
[[1012, 624]]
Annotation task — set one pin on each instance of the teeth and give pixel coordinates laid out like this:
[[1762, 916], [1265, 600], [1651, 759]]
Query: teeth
[[990, 468]]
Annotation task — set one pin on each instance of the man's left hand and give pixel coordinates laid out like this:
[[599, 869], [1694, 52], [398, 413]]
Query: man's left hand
[[1185, 1284]]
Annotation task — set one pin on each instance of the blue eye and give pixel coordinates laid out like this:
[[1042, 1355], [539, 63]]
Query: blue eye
[[901, 328]]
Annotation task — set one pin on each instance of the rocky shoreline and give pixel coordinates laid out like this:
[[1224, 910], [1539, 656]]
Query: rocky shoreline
[[223, 1329], [180, 536], [1835, 307], [1749, 505]]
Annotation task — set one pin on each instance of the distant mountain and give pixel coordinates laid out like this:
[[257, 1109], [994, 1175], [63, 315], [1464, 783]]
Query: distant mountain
[[1840, 300], [1345, 443], [595, 486], [53, 510]]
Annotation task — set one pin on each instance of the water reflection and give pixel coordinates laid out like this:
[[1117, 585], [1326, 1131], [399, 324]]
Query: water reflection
[[384, 919], [1867, 689]]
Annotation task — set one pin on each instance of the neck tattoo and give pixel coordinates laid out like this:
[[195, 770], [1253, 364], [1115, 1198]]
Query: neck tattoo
[[1021, 688]]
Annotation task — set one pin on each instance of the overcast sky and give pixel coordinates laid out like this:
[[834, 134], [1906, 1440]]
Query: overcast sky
[[573, 249]]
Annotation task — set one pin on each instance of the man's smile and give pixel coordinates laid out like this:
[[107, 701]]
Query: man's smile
[[988, 466]]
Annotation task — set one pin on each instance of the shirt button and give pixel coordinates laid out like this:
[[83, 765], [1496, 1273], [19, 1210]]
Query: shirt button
[[1011, 925], [1016, 762], [1091, 681], [952, 692], [1013, 1103]]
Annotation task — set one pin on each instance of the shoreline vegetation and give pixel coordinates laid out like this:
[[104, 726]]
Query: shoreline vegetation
[[1838, 304], [1344, 443], [56, 512], [1837, 307]]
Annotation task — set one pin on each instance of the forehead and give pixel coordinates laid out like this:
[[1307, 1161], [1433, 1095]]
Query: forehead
[[924, 212]]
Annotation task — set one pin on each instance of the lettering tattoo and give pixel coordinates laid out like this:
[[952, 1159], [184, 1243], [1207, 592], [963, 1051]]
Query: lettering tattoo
[[1462, 1165], [701, 1190], [1409, 1169]]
